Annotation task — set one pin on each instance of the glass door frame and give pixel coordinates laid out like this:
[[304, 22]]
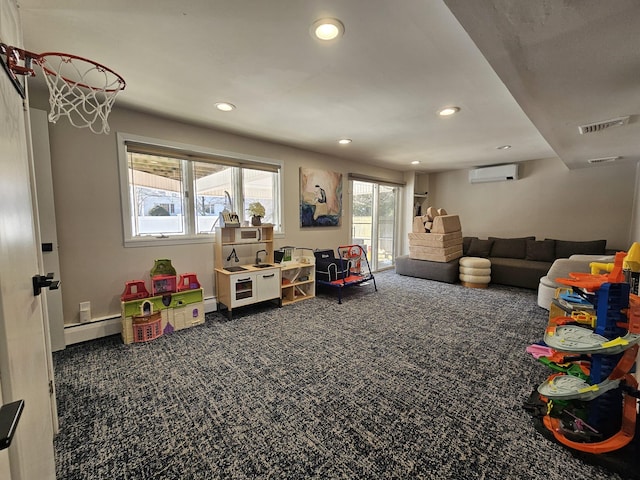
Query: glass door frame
[[375, 220]]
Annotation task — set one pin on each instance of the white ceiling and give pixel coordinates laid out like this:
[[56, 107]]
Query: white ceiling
[[563, 62]]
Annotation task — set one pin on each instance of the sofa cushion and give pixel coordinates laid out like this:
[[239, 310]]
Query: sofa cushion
[[479, 248], [518, 272], [509, 247], [566, 248], [446, 224], [466, 242], [541, 250]]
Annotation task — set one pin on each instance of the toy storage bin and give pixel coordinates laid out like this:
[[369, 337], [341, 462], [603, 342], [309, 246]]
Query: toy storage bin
[[147, 327]]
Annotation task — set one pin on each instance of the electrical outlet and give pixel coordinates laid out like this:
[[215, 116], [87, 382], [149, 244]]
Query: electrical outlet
[[85, 312]]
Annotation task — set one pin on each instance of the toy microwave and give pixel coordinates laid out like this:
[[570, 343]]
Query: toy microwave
[[247, 235]]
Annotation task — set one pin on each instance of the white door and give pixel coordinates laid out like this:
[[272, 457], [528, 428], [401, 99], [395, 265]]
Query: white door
[[23, 352]]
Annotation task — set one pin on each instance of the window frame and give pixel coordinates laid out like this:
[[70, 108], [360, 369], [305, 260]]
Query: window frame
[[174, 149]]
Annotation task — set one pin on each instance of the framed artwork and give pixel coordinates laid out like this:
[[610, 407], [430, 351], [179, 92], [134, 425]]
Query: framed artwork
[[320, 198]]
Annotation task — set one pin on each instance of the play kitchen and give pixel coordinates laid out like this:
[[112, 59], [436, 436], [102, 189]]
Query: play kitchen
[[248, 271], [244, 267]]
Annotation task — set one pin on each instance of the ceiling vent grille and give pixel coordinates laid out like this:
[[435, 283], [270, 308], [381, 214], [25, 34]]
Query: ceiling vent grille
[[603, 160], [598, 126]]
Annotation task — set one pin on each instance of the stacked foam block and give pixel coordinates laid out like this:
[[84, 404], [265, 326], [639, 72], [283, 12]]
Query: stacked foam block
[[436, 237]]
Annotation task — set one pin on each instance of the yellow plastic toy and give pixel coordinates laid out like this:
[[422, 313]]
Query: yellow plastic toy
[[584, 317], [631, 267], [632, 260], [597, 267]]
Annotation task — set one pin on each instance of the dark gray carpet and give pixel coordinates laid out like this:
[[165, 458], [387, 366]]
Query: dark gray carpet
[[419, 380]]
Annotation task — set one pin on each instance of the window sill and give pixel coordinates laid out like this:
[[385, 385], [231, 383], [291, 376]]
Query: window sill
[[151, 241]]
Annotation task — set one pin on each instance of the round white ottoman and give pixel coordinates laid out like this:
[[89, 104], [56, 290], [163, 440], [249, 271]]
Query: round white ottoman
[[546, 292], [475, 272]]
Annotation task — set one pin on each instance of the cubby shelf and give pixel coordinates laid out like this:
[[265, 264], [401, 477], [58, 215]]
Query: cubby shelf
[[297, 290]]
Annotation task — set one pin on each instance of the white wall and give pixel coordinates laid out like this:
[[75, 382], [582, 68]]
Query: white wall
[[94, 263], [548, 201]]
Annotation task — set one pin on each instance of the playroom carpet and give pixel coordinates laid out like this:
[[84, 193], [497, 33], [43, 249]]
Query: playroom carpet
[[421, 380]]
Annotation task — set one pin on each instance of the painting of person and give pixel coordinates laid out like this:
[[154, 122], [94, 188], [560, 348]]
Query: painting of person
[[320, 198]]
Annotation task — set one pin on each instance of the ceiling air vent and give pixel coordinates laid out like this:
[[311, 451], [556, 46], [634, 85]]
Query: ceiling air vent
[[598, 126], [603, 159]]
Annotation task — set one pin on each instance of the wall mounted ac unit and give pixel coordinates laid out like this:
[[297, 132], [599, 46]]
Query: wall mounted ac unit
[[498, 173]]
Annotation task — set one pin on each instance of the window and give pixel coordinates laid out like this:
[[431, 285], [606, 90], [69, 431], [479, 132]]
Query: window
[[175, 193]]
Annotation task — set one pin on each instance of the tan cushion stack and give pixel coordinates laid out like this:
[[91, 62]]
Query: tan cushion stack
[[442, 243], [475, 272]]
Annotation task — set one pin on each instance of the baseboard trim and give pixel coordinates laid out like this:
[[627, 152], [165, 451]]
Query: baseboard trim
[[81, 332], [210, 305]]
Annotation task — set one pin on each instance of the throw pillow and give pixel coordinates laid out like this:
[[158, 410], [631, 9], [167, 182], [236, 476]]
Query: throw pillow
[[509, 247], [479, 248], [541, 250], [566, 248], [466, 243]]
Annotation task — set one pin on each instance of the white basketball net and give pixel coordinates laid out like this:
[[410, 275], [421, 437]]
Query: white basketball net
[[79, 89]]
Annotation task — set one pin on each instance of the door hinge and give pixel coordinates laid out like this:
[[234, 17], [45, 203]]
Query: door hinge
[[50, 387]]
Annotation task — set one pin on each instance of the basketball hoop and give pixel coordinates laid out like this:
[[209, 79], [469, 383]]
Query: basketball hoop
[[80, 89]]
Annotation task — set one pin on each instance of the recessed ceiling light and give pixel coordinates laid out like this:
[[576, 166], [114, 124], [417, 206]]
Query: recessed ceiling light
[[345, 141], [327, 29], [415, 162], [225, 106], [504, 147], [448, 111]]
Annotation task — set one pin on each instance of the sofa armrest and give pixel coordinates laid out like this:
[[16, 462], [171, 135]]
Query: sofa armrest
[[562, 267], [593, 258]]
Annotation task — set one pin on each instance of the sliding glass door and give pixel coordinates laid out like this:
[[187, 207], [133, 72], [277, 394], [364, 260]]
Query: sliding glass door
[[374, 221]]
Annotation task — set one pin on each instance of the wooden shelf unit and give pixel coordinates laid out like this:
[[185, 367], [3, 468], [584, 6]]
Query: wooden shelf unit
[[298, 281], [228, 238]]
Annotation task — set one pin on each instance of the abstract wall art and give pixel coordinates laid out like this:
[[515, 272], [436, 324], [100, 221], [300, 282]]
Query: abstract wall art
[[320, 198]]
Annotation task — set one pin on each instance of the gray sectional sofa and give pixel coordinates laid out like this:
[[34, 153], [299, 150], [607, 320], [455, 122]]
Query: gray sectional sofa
[[440, 271], [521, 262], [518, 262]]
